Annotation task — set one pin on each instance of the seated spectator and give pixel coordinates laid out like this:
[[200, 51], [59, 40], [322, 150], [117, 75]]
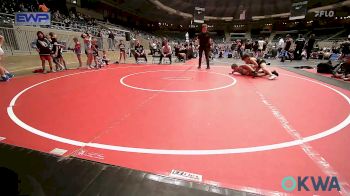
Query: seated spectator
[[165, 52], [153, 47], [105, 58], [139, 51], [180, 55]]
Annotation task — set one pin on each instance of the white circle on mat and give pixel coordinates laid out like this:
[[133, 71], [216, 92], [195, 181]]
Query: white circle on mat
[[122, 81]]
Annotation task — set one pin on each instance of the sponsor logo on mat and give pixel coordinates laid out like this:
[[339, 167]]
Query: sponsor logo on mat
[[90, 154], [58, 151], [185, 175], [310, 183], [2, 138]]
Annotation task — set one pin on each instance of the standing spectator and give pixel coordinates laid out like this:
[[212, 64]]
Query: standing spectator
[[121, 51], [280, 45], [285, 54], [88, 50], [345, 51], [43, 47], [99, 39], [240, 48], [233, 46], [77, 51], [111, 40], [255, 48], [5, 75], [261, 44], [310, 45], [57, 53], [22, 8], [248, 46], [94, 48]]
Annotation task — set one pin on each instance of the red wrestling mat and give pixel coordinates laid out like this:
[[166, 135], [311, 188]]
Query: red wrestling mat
[[236, 132]]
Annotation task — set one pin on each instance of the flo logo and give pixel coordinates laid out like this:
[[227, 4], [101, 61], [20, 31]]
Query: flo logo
[[307, 183]]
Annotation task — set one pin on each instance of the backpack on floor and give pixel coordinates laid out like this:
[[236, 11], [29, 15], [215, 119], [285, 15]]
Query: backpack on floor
[[324, 68]]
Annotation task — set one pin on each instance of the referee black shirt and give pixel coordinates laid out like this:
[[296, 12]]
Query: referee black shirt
[[204, 40]]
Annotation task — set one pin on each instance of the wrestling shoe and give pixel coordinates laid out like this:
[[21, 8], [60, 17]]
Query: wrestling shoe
[[275, 73], [10, 75], [255, 74], [272, 77], [5, 78]]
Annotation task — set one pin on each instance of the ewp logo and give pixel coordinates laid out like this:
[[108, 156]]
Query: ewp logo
[[317, 183], [33, 18]]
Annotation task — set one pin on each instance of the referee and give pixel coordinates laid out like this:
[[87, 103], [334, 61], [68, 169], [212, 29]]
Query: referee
[[204, 45]]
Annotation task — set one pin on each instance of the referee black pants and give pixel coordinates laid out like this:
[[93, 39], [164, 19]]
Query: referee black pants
[[206, 52]]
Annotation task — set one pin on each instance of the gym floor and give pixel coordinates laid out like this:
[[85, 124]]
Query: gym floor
[[235, 132]]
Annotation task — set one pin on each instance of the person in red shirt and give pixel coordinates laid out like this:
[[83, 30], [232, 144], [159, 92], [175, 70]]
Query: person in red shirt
[[43, 8]]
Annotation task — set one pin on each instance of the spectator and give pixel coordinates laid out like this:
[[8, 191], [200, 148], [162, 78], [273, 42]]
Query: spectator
[[299, 46], [122, 51], [166, 51], [310, 45], [22, 8], [280, 44], [105, 58], [5, 75], [57, 55], [111, 40], [77, 51], [88, 49], [139, 51], [43, 47], [261, 44]]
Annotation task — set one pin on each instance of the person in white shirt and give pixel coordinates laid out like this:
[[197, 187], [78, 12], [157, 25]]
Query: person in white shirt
[[280, 44], [261, 43], [4, 74], [165, 52]]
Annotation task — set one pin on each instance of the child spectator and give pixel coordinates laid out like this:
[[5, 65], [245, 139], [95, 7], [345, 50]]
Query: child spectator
[[105, 59], [77, 51], [122, 51], [57, 53]]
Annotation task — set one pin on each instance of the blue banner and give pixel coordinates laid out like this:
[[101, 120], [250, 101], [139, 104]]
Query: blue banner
[[32, 18]]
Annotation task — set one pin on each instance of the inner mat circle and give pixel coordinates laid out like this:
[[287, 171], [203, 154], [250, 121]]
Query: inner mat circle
[[178, 81]]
